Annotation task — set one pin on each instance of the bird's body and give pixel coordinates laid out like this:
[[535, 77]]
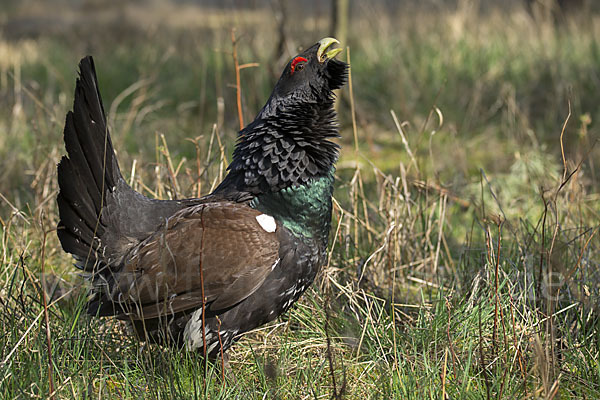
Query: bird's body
[[200, 272]]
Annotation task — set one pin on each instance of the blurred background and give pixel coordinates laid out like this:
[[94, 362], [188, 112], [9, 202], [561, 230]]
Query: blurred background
[[464, 237], [501, 73]]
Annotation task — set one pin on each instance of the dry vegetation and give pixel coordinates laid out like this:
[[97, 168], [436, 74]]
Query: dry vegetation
[[464, 256]]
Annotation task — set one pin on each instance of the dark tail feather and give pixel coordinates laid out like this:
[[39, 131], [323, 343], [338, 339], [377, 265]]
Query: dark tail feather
[[88, 174]]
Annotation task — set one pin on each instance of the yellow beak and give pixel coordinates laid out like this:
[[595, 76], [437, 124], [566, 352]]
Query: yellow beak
[[324, 44]]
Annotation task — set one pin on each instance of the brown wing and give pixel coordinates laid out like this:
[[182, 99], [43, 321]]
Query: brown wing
[[220, 245]]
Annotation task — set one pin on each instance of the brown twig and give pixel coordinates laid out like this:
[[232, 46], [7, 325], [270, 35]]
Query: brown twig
[[543, 249], [450, 347], [562, 148], [337, 394], [248, 65], [481, 356], [498, 307], [238, 84], [46, 315], [203, 298], [444, 369], [352, 109], [172, 172], [199, 170], [238, 87], [497, 279]]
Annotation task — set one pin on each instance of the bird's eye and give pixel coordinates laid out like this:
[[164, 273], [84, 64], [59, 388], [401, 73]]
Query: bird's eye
[[297, 64]]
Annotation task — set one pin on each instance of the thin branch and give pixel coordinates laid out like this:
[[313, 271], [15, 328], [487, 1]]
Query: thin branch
[[562, 148], [46, 315], [238, 86]]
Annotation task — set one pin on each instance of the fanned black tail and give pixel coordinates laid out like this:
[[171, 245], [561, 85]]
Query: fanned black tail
[[101, 216], [88, 174]]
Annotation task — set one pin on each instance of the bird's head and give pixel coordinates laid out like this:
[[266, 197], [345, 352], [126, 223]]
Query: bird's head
[[289, 141], [313, 74]]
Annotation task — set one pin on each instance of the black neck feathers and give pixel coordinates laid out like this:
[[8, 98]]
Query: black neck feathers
[[288, 144]]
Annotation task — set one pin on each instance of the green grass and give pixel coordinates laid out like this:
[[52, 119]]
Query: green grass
[[464, 261]]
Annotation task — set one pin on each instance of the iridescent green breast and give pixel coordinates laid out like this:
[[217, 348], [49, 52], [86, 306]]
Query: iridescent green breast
[[305, 210]]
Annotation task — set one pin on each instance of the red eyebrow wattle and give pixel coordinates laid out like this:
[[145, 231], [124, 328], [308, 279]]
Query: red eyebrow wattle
[[296, 61]]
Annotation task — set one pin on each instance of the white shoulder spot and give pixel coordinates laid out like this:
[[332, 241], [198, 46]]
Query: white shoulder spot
[[266, 222]]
